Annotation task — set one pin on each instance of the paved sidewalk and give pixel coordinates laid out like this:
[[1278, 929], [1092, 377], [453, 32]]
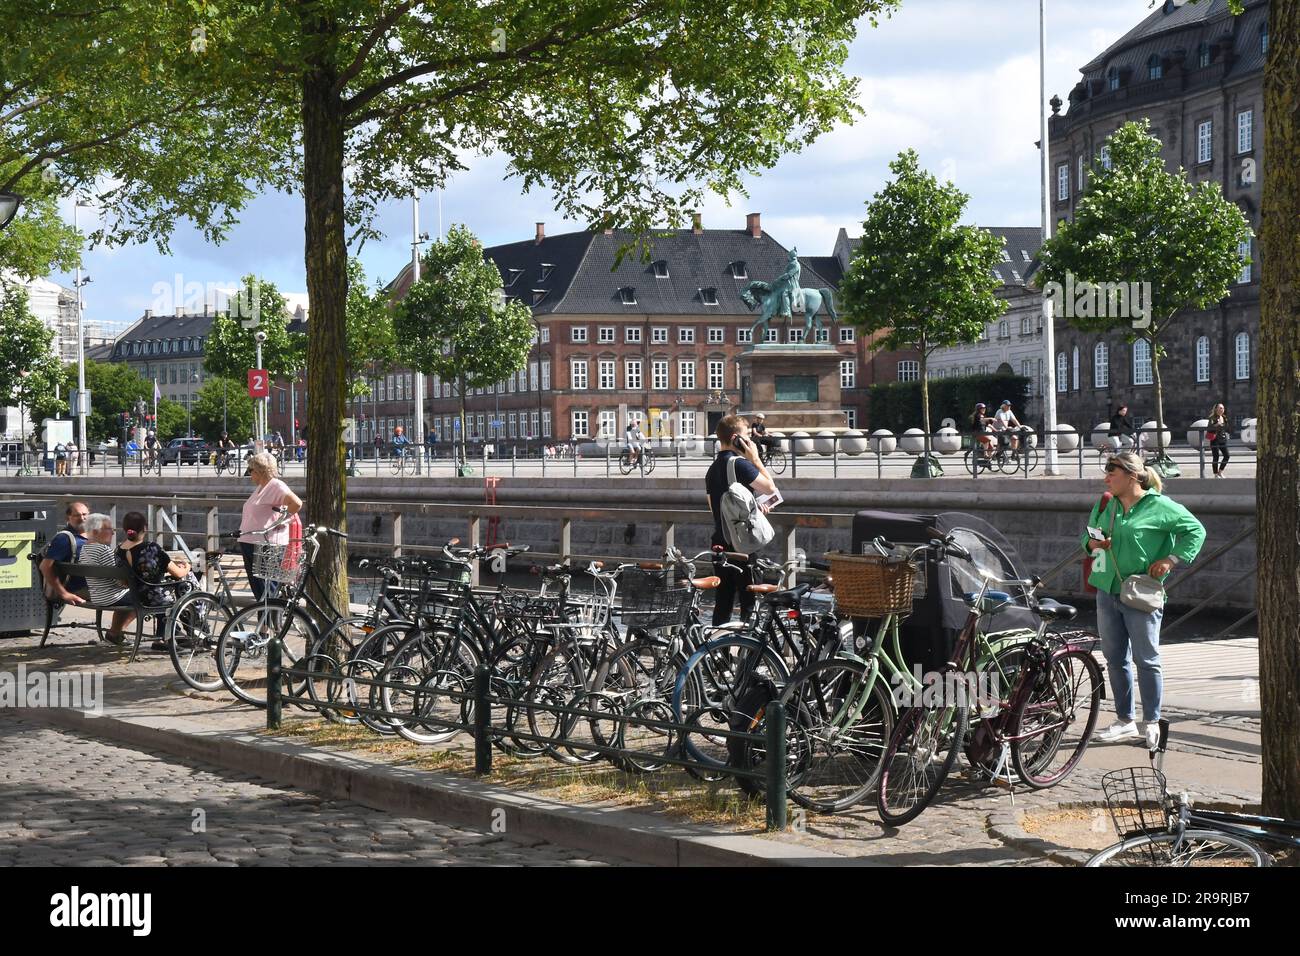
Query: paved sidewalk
[[1215, 754]]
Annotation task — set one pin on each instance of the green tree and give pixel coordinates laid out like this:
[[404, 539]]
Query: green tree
[[627, 112], [453, 323], [1138, 223], [114, 388], [37, 241], [372, 342], [223, 405], [231, 348], [28, 367], [920, 274]]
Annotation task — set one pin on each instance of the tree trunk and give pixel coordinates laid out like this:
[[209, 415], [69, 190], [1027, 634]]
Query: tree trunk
[[460, 390], [327, 290], [1277, 488], [925, 402], [1160, 398]]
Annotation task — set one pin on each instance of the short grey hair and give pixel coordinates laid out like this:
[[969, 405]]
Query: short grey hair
[[264, 462], [96, 523]]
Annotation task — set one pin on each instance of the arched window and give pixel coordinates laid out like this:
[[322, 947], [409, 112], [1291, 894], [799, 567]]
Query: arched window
[[1101, 366], [1074, 368], [1243, 355], [1142, 362], [1154, 69], [1003, 331], [1203, 359], [1025, 327], [1062, 371]]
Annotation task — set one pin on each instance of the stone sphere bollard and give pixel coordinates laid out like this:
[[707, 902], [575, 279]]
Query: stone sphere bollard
[[913, 441], [1195, 437], [853, 442], [1149, 436], [824, 443], [1068, 441], [1100, 435], [946, 441], [803, 444], [883, 442]]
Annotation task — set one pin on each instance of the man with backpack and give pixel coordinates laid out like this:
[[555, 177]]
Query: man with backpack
[[735, 477], [66, 547]]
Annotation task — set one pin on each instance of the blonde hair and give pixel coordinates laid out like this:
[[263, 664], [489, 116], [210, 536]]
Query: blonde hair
[[264, 462], [1210, 417], [1133, 464]]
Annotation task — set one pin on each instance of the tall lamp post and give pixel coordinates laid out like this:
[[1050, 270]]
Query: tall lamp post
[[189, 406], [1049, 332]]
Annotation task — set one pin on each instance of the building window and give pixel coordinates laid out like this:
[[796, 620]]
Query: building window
[[984, 334], [1101, 366], [685, 374], [717, 336], [1063, 182], [1142, 362], [686, 424], [1243, 251], [822, 335], [1026, 327], [770, 335], [608, 424], [1004, 330], [1105, 156], [580, 424], [686, 335], [1074, 369], [909, 371], [627, 295], [851, 417], [632, 373], [709, 296], [659, 334], [717, 373], [1203, 359], [1062, 372], [1263, 38], [1203, 55], [1154, 70], [1245, 131], [607, 374], [605, 334], [846, 334], [577, 373], [1079, 178], [546, 422], [1112, 79], [849, 374], [546, 375], [534, 426], [661, 268], [796, 335], [659, 375], [744, 336], [1205, 141], [1242, 343], [738, 270], [578, 334], [546, 334], [632, 334]]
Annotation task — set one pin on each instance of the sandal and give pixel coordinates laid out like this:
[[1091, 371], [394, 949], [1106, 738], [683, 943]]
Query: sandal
[[117, 639]]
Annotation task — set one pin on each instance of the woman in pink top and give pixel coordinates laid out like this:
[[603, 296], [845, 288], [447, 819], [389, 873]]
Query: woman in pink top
[[264, 507]]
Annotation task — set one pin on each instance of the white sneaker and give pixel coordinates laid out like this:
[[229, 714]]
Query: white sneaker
[[1152, 733], [1120, 730]]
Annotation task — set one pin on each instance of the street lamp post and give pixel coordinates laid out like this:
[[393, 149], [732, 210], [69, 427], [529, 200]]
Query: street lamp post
[[1049, 332], [82, 442], [189, 406]]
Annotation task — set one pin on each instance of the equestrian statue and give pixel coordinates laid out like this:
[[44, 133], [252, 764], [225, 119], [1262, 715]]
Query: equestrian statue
[[784, 297]]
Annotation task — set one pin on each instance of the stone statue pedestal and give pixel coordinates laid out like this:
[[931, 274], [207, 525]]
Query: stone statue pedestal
[[797, 386]]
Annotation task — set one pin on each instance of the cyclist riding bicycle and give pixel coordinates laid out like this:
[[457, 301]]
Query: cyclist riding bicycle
[[225, 445], [765, 442], [1122, 432], [152, 447], [401, 444], [1006, 425], [981, 430], [635, 441]]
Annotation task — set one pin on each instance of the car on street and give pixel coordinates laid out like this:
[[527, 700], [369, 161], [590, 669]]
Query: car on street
[[188, 451]]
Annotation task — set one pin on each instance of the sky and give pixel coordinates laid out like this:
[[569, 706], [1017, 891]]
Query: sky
[[956, 80]]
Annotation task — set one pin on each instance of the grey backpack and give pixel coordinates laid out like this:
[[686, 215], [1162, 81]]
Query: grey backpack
[[745, 527]]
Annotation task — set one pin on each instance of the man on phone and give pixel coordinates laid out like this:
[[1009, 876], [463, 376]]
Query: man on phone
[[733, 442]]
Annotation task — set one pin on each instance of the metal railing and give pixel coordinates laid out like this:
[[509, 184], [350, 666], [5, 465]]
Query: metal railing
[[485, 729]]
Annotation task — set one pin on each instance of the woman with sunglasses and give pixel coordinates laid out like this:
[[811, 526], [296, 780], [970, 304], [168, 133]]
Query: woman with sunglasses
[[1139, 531]]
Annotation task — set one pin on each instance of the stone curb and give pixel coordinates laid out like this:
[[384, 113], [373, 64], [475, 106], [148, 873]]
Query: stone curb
[[1007, 826], [636, 836]]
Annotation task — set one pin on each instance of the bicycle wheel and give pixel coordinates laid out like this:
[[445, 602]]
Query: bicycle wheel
[[920, 755], [625, 465], [1028, 458], [193, 629], [776, 462], [241, 649], [431, 663], [712, 683], [1053, 723], [971, 460], [845, 726], [1197, 848]]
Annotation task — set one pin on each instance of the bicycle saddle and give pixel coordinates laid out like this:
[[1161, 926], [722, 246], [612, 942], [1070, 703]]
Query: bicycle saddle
[[1053, 611], [706, 584], [993, 600], [789, 597], [763, 588]]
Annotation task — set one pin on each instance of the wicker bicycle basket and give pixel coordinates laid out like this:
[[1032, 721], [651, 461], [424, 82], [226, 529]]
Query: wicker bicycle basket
[[869, 585], [281, 563]]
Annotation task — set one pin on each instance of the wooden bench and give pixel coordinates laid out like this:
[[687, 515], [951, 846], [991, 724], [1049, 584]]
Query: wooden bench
[[123, 577]]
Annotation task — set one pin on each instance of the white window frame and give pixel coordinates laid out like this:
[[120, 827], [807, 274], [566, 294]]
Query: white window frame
[[1104, 155], [546, 423], [851, 417], [1062, 182], [771, 335], [1241, 351], [1142, 373], [1101, 365], [1245, 130], [1062, 372], [849, 373], [717, 373], [1247, 267], [744, 336], [1203, 358], [632, 335], [605, 334], [578, 334], [847, 334], [1205, 141], [546, 375], [607, 374], [607, 420], [576, 416], [683, 418], [1074, 369], [659, 335], [686, 374], [632, 373], [659, 375], [1079, 173], [822, 336], [795, 335], [686, 335], [578, 380], [546, 334], [909, 370], [717, 335]]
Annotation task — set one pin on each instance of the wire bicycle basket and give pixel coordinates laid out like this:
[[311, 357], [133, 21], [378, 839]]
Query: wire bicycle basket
[[281, 563], [1136, 799]]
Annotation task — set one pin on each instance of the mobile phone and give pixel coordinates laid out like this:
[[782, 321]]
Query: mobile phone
[[1096, 534]]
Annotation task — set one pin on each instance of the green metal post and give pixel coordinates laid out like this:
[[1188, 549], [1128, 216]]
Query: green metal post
[[274, 669], [482, 722], [775, 766]]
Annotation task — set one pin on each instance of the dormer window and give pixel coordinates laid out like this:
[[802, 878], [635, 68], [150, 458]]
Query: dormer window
[[1263, 38], [1112, 79], [1203, 55], [627, 295], [1025, 253], [738, 270], [512, 275], [539, 295], [709, 296], [1154, 68], [661, 268], [1006, 256], [547, 269]]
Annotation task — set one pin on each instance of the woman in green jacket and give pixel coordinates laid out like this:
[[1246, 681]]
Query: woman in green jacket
[[1143, 532]]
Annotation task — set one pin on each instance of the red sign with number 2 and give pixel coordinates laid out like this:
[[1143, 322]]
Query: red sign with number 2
[[259, 383]]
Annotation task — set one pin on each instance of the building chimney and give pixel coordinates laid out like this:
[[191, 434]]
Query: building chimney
[[180, 311], [753, 225], [609, 230], [541, 234], [148, 313], [697, 226]]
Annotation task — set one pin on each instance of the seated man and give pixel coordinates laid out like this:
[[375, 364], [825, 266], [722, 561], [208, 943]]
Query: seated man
[[635, 441], [66, 547], [99, 551], [762, 439], [1007, 425]]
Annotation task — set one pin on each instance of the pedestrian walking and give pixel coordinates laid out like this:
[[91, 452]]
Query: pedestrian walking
[[268, 503], [60, 459], [1216, 433], [733, 443], [1135, 540]]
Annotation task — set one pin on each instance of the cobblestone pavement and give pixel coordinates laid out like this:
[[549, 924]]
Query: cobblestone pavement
[[68, 799]]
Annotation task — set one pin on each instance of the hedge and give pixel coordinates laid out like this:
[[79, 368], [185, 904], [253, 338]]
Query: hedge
[[897, 405]]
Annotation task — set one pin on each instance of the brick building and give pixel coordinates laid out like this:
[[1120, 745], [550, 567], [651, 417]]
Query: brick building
[[654, 341], [1196, 72]]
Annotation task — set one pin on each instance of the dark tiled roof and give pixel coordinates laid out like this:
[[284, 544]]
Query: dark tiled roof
[[1020, 242], [169, 326], [828, 267], [583, 280], [1184, 29], [100, 353]]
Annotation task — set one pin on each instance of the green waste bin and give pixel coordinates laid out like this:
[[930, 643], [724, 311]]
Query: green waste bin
[[25, 528]]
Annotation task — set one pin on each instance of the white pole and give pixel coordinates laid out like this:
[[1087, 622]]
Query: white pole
[[82, 443], [419, 376], [1049, 337], [261, 408]]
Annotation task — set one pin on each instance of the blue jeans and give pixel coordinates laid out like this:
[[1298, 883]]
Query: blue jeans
[[1131, 636]]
